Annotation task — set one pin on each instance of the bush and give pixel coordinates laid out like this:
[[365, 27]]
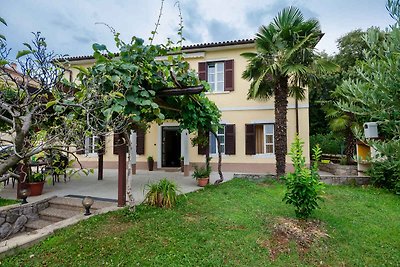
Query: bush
[[386, 174], [303, 186], [162, 194], [329, 143]]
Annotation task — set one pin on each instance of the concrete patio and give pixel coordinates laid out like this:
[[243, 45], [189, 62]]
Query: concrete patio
[[83, 185]]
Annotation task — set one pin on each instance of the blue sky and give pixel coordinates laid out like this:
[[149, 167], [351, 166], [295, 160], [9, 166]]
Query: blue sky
[[71, 27]]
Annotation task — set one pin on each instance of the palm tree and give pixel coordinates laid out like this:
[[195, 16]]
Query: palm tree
[[282, 64]]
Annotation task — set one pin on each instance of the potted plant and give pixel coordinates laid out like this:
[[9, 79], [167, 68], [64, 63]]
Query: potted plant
[[202, 175], [150, 162], [35, 183], [182, 164]]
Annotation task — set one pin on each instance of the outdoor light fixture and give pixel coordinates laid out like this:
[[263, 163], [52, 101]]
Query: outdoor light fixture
[[87, 202], [24, 194]]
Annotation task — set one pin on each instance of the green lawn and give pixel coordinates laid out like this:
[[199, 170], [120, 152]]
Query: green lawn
[[227, 226], [6, 202]]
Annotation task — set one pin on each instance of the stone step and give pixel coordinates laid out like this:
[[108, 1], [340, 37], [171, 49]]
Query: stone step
[[56, 215], [37, 224], [76, 204]]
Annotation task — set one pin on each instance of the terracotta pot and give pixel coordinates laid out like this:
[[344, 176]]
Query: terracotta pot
[[36, 188], [150, 164], [203, 181]]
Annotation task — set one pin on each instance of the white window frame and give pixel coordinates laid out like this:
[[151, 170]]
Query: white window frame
[[216, 143], [91, 145], [265, 138], [216, 74]]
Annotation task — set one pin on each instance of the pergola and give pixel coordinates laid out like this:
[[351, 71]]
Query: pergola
[[122, 150]]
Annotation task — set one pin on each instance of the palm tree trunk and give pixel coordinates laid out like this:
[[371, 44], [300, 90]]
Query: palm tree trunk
[[280, 132]]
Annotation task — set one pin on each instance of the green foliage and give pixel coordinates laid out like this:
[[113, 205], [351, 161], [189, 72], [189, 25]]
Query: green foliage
[[303, 186], [329, 143], [373, 95], [37, 177], [126, 87], [385, 168], [162, 194], [386, 174], [201, 172], [174, 237]]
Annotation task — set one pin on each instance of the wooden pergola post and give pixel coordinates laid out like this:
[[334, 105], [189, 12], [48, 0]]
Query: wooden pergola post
[[133, 152], [121, 172]]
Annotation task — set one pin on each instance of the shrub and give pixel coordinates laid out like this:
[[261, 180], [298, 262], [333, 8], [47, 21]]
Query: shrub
[[303, 186], [386, 174], [329, 143], [162, 194]]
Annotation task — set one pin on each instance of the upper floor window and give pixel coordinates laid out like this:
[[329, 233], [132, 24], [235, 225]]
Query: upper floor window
[[218, 74], [260, 139], [215, 76]]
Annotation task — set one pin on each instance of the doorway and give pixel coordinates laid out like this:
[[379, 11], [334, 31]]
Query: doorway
[[171, 146]]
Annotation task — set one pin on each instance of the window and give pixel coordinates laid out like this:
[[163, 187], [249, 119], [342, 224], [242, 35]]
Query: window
[[92, 144], [215, 72], [260, 139], [218, 74], [213, 141], [269, 138], [226, 136]]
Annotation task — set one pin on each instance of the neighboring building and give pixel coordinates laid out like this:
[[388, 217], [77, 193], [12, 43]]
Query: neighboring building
[[247, 139]]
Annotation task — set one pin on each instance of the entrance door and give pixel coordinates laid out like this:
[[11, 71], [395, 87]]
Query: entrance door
[[171, 146]]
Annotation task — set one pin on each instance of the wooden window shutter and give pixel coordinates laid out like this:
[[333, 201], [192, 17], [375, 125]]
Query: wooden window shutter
[[250, 139], [230, 142], [203, 149], [140, 133], [202, 71], [228, 77]]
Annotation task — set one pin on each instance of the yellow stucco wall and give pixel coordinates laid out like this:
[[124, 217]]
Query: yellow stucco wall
[[235, 107]]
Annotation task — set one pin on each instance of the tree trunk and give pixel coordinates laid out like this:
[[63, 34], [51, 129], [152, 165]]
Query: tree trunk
[[221, 177], [350, 140], [280, 132]]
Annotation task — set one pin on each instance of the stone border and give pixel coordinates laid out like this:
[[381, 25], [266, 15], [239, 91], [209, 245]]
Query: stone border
[[14, 217], [12, 245], [327, 179]]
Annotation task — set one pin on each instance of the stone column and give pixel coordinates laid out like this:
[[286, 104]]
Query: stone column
[[185, 150]]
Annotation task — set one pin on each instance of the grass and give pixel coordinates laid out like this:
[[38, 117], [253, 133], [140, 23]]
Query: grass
[[226, 226], [6, 202]]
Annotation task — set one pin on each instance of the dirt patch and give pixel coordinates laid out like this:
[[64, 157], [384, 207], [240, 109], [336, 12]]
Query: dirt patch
[[118, 226], [287, 230], [191, 217], [236, 227]]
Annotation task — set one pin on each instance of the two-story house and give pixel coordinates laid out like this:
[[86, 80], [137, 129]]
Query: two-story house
[[247, 138]]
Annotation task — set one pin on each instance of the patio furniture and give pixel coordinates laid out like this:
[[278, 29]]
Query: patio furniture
[[56, 165]]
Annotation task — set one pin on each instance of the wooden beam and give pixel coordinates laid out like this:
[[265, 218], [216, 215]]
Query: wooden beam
[[180, 91]]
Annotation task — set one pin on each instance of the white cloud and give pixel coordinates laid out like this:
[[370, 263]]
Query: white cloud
[[70, 28]]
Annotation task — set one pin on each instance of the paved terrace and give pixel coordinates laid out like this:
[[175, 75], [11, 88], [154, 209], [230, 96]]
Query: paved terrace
[[108, 188]]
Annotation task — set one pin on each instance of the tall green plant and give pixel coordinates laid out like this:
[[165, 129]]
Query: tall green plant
[[303, 187], [162, 194], [282, 64]]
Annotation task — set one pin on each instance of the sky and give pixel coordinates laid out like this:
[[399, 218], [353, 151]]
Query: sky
[[71, 27]]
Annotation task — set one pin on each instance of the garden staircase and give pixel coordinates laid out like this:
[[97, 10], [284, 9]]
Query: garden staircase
[[62, 208]]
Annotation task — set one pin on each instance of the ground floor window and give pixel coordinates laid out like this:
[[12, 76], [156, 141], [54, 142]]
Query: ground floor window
[[260, 139], [214, 143]]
